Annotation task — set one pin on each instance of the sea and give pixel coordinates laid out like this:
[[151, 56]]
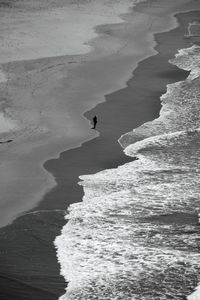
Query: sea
[[135, 235]]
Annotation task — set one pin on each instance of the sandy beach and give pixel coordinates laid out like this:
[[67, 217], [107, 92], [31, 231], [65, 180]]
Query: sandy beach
[[41, 101], [51, 95]]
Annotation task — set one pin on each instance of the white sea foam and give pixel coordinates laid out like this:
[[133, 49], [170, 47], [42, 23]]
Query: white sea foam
[[189, 59], [195, 295], [135, 235], [111, 249]]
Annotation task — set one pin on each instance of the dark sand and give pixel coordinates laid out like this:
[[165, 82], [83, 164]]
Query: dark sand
[[29, 269]]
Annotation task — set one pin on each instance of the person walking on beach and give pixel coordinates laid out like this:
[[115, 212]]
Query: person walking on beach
[[94, 122]]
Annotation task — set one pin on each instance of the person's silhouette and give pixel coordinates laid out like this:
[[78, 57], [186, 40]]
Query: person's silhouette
[[94, 122]]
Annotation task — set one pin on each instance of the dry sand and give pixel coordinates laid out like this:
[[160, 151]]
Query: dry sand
[[27, 34]]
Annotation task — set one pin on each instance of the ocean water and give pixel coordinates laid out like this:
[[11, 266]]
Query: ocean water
[[136, 234]]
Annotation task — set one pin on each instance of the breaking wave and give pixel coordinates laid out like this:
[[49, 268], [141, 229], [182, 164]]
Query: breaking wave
[[136, 235]]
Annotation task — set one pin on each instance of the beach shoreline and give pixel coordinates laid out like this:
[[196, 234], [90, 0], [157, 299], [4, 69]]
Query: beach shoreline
[[31, 97], [46, 205], [129, 71], [82, 229]]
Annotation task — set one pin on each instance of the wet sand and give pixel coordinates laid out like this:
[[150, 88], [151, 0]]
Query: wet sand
[[29, 269]]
